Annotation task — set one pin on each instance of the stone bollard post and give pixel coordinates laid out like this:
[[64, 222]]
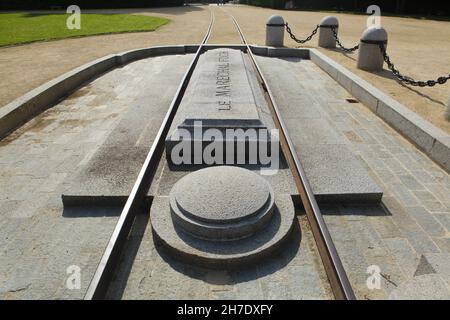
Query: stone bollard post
[[275, 31], [447, 110], [326, 37], [370, 57]]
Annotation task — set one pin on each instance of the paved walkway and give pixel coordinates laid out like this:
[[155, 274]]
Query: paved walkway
[[410, 243], [39, 240]]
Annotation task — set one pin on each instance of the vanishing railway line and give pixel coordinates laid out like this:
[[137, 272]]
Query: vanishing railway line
[[103, 275], [136, 202]]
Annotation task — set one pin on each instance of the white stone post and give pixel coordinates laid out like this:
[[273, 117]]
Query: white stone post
[[275, 31], [370, 57], [326, 37]]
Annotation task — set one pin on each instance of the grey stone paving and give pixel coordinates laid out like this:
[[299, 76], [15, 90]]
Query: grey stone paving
[[334, 172], [294, 273], [113, 168], [416, 196], [38, 240], [220, 74], [220, 95]]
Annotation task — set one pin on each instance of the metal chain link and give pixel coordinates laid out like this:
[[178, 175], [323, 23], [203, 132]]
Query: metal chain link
[[408, 80], [293, 37], [398, 75], [333, 29]]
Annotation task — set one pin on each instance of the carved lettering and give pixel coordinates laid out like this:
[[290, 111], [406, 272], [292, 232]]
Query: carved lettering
[[223, 81]]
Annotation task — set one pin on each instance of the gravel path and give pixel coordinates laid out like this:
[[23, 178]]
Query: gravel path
[[419, 48], [25, 67]]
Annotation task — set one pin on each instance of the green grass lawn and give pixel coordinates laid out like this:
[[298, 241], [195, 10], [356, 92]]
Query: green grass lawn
[[28, 27]]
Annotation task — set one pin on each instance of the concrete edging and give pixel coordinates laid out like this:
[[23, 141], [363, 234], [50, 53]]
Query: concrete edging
[[432, 140], [429, 138], [26, 107]]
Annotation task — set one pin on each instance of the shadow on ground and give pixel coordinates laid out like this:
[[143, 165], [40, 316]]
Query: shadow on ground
[[354, 209], [246, 273], [211, 276]]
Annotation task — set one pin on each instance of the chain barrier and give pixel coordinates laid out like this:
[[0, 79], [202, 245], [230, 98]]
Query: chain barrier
[[397, 74], [335, 35], [408, 80], [293, 37]]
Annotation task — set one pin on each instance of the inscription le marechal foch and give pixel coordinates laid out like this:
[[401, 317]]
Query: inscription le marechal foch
[[223, 81]]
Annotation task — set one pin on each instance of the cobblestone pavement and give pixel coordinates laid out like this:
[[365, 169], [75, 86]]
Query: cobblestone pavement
[[411, 241], [38, 240]]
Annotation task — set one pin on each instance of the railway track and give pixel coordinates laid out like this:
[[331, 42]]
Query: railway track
[[340, 284], [136, 203]]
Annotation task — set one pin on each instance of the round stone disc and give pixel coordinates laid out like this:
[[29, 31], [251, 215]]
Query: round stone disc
[[221, 194], [222, 255]]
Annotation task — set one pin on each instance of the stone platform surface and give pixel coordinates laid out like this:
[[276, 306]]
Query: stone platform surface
[[150, 271], [332, 170], [410, 240], [295, 272], [219, 96], [223, 93], [111, 172], [39, 239], [219, 91]]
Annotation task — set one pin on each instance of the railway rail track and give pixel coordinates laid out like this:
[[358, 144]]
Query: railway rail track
[[136, 203]]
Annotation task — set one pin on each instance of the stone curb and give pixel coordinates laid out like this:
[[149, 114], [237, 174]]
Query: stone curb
[[429, 138], [432, 140], [26, 107]]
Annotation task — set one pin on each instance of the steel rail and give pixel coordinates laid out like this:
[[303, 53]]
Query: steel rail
[[334, 269], [99, 284]]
